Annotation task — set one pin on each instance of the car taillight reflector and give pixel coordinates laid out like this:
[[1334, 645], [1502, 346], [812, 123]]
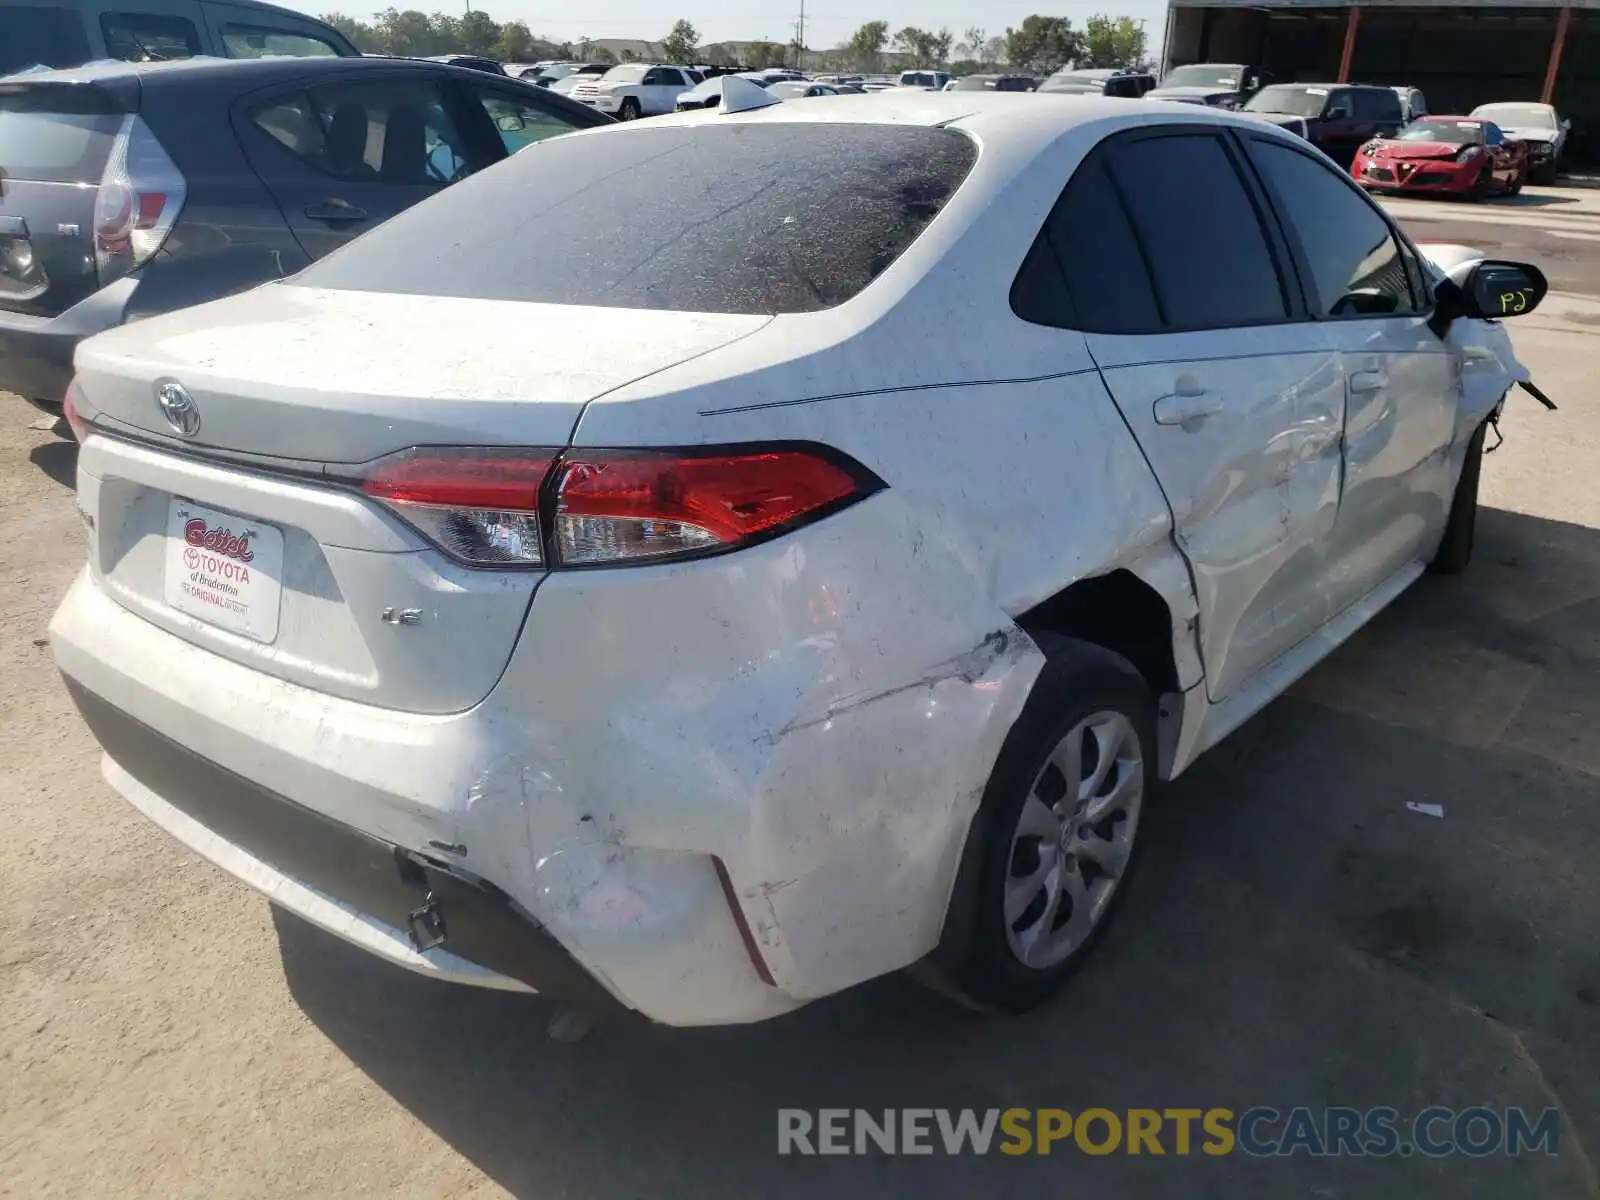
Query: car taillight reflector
[[75, 419], [494, 507], [621, 507], [478, 504]]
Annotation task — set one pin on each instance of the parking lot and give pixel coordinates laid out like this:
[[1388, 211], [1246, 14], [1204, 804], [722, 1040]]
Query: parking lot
[[1298, 934]]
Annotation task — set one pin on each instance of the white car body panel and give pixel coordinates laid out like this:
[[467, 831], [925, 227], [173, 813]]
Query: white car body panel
[[817, 714]]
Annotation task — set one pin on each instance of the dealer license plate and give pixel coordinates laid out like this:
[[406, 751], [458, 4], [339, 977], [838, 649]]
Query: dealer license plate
[[224, 569]]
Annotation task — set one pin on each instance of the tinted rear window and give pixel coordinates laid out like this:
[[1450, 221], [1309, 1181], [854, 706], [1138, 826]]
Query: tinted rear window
[[40, 142], [49, 37], [765, 218]]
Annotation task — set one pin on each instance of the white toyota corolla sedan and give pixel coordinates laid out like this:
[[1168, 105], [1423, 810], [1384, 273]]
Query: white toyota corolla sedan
[[715, 562]]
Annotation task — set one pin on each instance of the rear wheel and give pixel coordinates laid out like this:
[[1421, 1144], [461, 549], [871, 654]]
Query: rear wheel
[[1056, 838], [630, 110], [1455, 549]]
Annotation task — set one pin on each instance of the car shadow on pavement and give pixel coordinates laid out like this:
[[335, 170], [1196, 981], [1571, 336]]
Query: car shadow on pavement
[[1298, 935], [59, 460], [1529, 200]]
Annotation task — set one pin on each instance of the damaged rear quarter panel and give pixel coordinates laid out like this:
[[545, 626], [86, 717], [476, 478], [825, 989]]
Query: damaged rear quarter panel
[[820, 717]]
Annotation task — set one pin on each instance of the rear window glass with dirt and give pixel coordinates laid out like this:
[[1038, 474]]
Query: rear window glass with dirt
[[779, 218], [39, 141]]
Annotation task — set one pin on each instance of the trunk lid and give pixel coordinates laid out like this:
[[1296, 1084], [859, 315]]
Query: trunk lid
[[342, 595], [55, 140], [293, 372]]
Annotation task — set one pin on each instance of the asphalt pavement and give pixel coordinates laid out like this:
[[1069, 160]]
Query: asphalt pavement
[[1380, 892]]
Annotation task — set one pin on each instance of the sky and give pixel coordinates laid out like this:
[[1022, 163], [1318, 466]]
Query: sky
[[828, 22]]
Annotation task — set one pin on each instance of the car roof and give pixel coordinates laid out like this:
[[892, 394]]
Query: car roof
[[1021, 123], [245, 71]]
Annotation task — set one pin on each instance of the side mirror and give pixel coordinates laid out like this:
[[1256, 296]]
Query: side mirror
[[1338, 112], [1496, 289], [510, 123], [1490, 289]]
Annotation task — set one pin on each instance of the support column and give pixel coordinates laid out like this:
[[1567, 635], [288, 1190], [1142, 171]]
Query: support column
[[1562, 24], [1352, 24]]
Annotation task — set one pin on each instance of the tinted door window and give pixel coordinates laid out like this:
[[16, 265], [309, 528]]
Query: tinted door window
[[392, 131], [145, 37], [1203, 241], [660, 77], [48, 37], [1352, 254], [258, 41], [519, 123], [1098, 283], [1377, 106]]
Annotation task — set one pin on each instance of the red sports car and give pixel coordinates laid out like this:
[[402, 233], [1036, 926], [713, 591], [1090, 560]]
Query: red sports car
[[1458, 156]]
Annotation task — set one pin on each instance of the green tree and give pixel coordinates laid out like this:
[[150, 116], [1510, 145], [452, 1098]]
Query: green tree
[[478, 32], [359, 32], [994, 52], [680, 43], [1043, 44], [1112, 42], [971, 43], [939, 44], [867, 42], [765, 54], [515, 44], [409, 33], [913, 41]]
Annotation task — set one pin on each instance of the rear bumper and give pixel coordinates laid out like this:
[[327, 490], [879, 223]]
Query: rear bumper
[[768, 807], [350, 883], [36, 352]]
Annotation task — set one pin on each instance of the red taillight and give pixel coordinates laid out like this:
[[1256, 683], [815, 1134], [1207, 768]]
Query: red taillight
[[75, 419], [479, 504], [492, 507], [626, 507]]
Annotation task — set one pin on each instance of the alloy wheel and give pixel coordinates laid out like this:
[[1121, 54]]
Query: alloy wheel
[[1074, 839]]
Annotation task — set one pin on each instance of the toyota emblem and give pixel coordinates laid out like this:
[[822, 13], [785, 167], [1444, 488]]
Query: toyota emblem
[[179, 408]]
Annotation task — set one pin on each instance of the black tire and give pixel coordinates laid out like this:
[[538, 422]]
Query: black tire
[[1483, 188], [629, 111], [975, 963], [1545, 176], [1455, 550]]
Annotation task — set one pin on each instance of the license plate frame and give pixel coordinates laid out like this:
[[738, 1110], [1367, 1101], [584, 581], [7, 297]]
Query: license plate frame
[[223, 569]]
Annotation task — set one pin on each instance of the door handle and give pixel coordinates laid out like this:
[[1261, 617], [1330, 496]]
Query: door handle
[[335, 210], [1186, 405], [1368, 381]]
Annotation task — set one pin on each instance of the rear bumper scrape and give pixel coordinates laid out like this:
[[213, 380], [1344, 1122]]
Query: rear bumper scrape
[[349, 883]]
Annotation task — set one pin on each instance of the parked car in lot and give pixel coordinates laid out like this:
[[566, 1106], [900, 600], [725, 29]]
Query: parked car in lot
[[1413, 104], [133, 189], [927, 81], [1456, 156], [709, 665], [1336, 118], [635, 90], [992, 83], [1539, 128], [1217, 85], [800, 89], [563, 84], [1099, 82], [69, 33], [473, 62]]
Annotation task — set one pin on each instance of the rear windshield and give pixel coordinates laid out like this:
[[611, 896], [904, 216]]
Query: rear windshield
[[39, 142], [762, 218], [41, 37]]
